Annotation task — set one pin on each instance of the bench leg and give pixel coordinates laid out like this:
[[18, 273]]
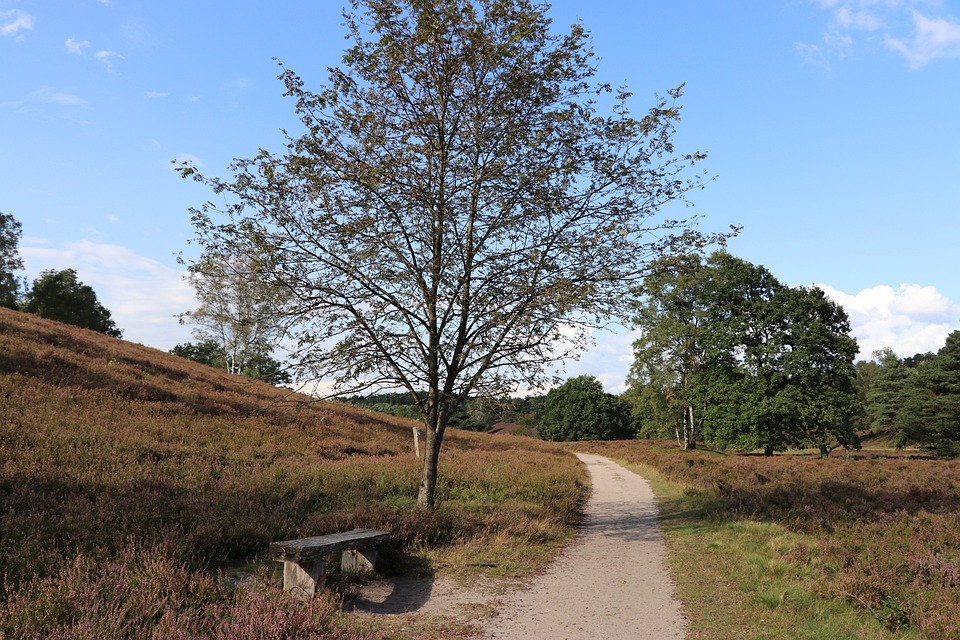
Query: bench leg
[[304, 579], [359, 559]]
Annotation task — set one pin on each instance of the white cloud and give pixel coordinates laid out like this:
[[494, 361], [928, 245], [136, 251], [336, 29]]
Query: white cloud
[[608, 359], [14, 21], [933, 38], [860, 19], [910, 319], [107, 58], [897, 24], [143, 295], [52, 96], [76, 47], [150, 95]]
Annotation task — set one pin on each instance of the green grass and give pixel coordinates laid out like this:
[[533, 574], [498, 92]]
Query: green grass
[[789, 547], [750, 579]]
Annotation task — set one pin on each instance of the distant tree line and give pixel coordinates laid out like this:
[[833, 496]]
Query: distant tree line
[[475, 414], [916, 400], [55, 295], [259, 366]]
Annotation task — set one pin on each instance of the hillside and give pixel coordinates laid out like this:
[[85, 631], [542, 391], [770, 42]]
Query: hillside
[[125, 470]]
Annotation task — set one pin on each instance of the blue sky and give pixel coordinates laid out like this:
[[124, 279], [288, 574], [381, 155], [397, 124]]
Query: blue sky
[[832, 129]]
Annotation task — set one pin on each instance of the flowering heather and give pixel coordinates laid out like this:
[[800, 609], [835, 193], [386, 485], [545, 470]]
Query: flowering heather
[[130, 478]]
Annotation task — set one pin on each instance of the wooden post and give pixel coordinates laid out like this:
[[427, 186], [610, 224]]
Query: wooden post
[[417, 435]]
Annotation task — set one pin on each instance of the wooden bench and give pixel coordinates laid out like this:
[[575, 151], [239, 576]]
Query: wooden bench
[[305, 560]]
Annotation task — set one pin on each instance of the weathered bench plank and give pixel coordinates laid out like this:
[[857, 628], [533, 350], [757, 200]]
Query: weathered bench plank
[[304, 560], [306, 549]]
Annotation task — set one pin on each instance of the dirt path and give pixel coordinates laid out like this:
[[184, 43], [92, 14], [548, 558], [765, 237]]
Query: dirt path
[[610, 583]]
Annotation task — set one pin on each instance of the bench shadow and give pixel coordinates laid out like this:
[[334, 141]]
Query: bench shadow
[[390, 596], [406, 587]]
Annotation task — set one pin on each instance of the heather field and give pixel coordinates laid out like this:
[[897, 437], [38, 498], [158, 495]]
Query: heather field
[[875, 529], [133, 484]]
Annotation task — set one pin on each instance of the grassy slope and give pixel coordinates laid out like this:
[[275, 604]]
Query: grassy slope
[[113, 455]]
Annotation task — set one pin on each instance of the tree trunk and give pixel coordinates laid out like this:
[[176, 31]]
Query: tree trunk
[[435, 426], [426, 498], [690, 430]]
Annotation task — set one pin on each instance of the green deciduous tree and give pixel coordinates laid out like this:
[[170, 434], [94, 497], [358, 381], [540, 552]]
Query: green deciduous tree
[[465, 193], [9, 260], [260, 366], [764, 365], [669, 354], [580, 409], [58, 295], [780, 360]]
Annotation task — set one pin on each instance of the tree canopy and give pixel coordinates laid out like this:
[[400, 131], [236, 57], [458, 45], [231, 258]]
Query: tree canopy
[[238, 314], [9, 260], [917, 399], [669, 354], [260, 366], [580, 409], [764, 365], [465, 203], [58, 295]]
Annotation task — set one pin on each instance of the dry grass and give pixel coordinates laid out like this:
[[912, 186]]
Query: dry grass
[[126, 472]]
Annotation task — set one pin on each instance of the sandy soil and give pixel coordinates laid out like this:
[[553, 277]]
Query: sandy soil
[[610, 583]]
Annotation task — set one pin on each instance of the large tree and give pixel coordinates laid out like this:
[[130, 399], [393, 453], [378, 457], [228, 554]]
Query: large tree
[[752, 362], [58, 295], [9, 260], [580, 409], [669, 354], [929, 412], [779, 363], [465, 204]]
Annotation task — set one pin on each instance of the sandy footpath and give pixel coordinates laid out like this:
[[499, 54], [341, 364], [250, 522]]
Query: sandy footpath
[[610, 583]]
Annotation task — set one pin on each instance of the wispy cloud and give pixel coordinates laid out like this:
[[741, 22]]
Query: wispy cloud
[[107, 58], [907, 27], [143, 295], [52, 96], [76, 47], [150, 95], [910, 319], [13, 22], [932, 38]]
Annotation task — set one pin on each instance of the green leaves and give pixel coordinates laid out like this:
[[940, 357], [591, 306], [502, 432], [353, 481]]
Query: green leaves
[[581, 410], [58, 295], [455, 202], [764, 365]]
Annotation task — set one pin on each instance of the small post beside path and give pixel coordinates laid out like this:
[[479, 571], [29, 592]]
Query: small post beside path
[[417, 435]]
